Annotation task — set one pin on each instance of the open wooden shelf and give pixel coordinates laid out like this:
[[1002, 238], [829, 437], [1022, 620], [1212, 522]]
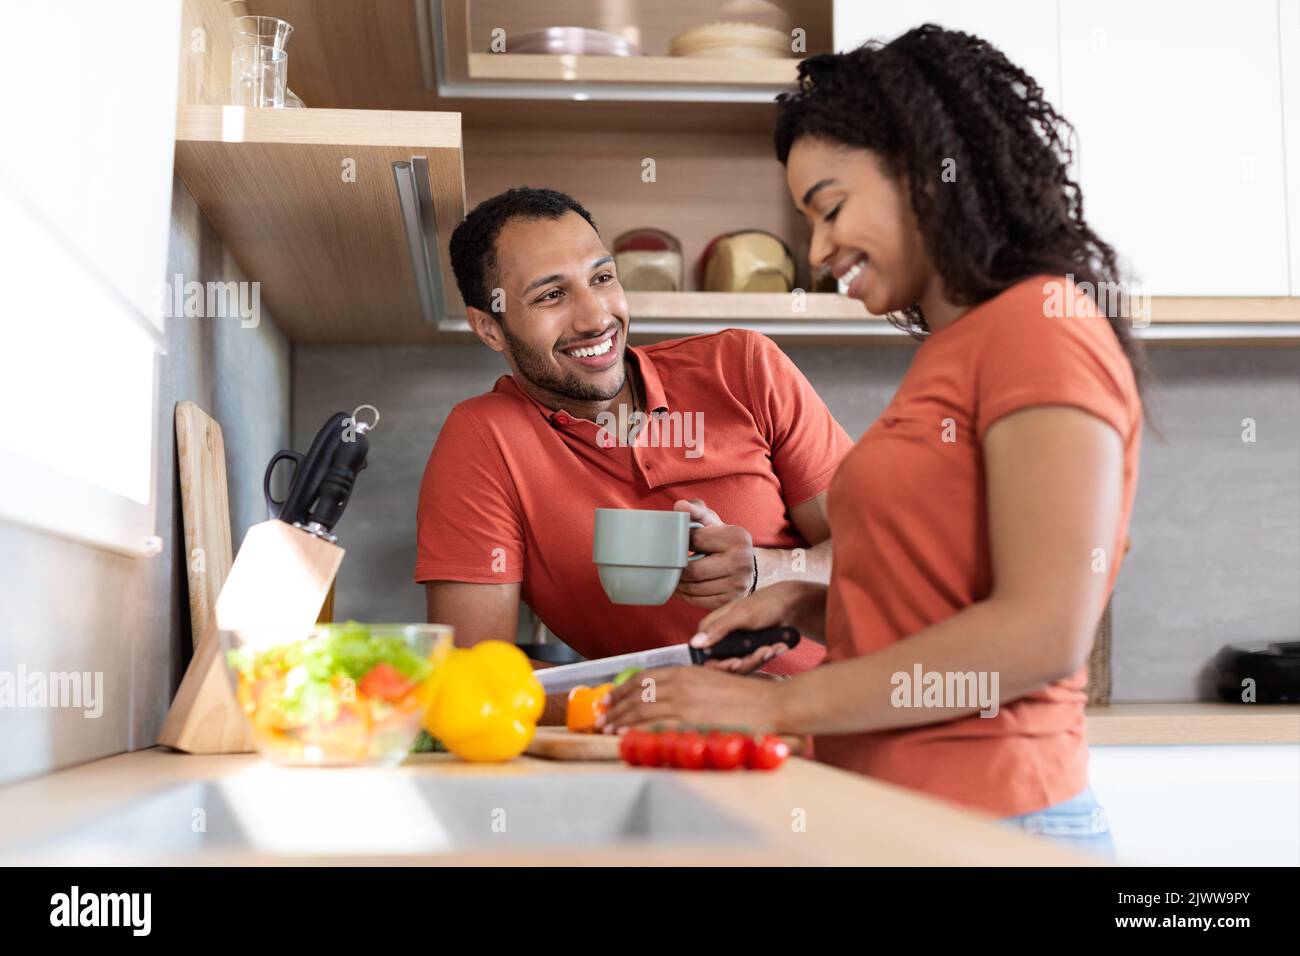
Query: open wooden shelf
[[330, 250], [776, 306], [830, 318], [1169, 309], [824, 318], [761, 306], [665, 71]]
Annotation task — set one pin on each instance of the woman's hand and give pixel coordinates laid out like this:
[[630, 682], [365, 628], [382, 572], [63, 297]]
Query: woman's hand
[[699, 695], [796, 604], [693, 695]]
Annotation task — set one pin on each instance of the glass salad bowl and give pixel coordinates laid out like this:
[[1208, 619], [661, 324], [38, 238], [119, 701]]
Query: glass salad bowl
[[339, 695]]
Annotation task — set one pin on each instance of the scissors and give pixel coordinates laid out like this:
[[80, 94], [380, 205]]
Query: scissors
[[324, 476]]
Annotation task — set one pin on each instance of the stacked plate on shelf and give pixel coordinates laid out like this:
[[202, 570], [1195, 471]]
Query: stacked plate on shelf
[[736, 41], [745, 30], [572, 40]]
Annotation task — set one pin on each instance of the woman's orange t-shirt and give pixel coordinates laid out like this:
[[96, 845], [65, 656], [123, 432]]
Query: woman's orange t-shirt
[[908, 517]]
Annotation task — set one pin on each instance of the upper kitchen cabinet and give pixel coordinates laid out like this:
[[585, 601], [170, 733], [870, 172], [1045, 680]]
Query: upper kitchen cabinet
[[463, 55], [641, 47], [1025, 30], [679, 144], [1179, 118], [1178, 115], [341, 216], [65, 156]]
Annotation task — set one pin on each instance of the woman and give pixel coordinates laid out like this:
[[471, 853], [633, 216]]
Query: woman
[[978, 525]]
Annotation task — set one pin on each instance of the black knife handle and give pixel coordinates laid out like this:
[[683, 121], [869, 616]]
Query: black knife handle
[[741, 643], [310, 471], [336, 486]]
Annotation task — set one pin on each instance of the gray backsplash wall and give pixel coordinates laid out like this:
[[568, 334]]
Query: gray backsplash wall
[[1215, 530], [68, 607]]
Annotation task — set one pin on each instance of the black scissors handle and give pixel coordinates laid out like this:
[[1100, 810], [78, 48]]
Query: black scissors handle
[[308, 474], [274, 506]]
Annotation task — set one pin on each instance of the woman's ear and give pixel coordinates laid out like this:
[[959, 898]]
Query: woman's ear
[[487, 327]]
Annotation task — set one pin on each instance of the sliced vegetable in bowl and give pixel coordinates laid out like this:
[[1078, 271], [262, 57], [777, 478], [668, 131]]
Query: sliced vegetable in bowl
[[341, 694]]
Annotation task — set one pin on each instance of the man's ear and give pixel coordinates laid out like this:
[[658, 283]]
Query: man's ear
[[487, 328]]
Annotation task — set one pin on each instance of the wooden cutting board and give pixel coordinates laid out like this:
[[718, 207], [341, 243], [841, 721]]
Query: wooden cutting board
[[559, 743], [205, 511], [203, 717]]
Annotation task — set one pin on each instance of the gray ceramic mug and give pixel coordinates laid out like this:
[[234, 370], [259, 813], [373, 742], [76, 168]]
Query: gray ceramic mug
[[639, 554]]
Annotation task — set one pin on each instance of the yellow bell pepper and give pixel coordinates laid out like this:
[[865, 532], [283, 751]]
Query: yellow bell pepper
[[484, 702]]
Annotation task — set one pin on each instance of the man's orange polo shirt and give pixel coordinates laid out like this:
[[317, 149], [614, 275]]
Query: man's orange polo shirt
[[511, 488]]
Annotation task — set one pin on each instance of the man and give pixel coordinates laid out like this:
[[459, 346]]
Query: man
[[509, 494]]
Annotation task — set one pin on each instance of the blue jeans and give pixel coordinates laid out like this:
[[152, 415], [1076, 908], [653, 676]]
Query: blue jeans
[[1079, 822]]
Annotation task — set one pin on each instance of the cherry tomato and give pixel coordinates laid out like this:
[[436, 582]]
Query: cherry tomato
[[668, 747], [627, 747], [647, 750], [690, 752], [767, 752], [726, 751]]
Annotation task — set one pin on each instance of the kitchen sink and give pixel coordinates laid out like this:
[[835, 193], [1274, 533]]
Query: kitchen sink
[[281, 811]]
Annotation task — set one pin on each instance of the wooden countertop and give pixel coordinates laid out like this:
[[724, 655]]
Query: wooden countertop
[[1206, 722], [849, 820]]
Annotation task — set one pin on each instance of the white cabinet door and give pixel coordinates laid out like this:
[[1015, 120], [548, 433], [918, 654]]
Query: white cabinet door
[[1227, 805], [1289, 22], [1025, 30], [88, 97], [1178, 111], [88, 127]]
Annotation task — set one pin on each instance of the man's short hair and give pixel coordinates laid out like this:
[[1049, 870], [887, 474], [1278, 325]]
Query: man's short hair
[[473, 244]]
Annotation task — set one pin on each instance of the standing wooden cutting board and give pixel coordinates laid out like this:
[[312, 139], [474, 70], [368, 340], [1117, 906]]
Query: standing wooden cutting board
[[205, 510], [559, 743], [203, 717]]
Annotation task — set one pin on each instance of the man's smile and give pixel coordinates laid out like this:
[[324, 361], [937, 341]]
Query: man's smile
[[594, 354]]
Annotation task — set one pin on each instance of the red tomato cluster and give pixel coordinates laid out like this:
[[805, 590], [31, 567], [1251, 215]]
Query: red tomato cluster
[[702, 749]]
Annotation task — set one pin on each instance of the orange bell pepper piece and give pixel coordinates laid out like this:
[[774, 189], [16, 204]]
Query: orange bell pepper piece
[[584, 707]]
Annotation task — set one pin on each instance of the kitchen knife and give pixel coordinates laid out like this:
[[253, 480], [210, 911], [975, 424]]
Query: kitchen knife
[[559, 680]]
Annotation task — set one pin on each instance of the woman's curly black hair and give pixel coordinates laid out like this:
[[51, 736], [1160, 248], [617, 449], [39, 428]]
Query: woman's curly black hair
[[935, 100]]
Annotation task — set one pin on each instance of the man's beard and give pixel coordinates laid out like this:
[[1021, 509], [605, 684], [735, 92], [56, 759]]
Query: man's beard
[[533, 366]]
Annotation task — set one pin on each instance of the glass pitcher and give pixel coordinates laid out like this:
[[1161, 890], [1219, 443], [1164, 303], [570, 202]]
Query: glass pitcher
[[271, 32]]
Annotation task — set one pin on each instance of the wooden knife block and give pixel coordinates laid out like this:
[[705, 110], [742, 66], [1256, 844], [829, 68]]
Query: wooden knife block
[[280, 579]]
